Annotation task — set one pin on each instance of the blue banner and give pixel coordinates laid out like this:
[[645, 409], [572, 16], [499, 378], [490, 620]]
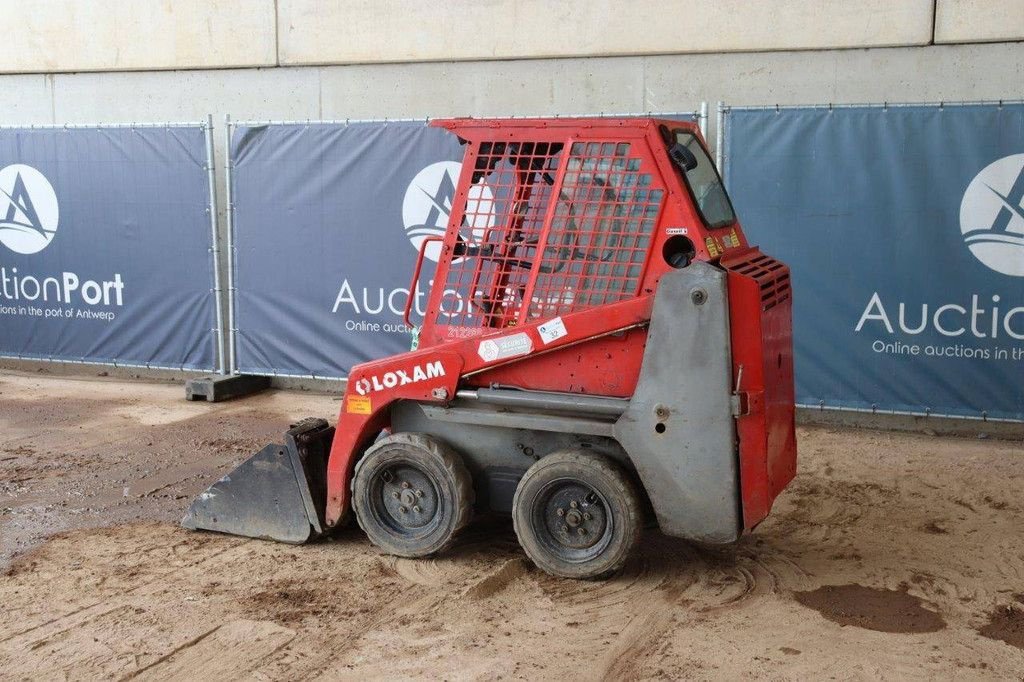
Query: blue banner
[[328, 221], [904, 229], [105, 252]]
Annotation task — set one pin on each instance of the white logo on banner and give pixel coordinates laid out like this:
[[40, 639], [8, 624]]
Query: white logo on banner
[[28, 209], [992, 216], [428, 203]]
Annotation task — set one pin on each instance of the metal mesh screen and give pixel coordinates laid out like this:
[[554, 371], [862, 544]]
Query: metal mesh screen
[[597, 244], [548, 233]]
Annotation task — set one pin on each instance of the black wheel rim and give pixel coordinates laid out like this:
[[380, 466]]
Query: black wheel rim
[[404, 499], [572, 520]]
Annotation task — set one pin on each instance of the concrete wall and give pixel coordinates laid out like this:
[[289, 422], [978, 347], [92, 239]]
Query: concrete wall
[[52, 36], [516, 87], [968, 21], [101, 35], [357, 31]]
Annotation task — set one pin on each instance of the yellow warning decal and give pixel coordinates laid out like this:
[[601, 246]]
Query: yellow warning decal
[[358, 404], [711, 246]]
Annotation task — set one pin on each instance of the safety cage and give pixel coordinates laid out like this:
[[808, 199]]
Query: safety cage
[[547, 228]]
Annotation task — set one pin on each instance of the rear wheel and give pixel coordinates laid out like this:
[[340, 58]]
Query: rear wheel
[[411, 494], [577, 515]]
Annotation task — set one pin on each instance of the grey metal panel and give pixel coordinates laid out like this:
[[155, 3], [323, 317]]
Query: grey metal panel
[[550, 400], [690, 470], [496, 453], [484, 415]]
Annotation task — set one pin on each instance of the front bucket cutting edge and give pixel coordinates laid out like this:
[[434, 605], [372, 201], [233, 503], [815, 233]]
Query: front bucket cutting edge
[[277, 494]]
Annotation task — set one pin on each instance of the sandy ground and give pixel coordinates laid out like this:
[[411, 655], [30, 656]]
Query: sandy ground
[[891, 556]]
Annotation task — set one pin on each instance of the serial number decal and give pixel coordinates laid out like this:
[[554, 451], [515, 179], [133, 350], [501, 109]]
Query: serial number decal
[[462, 332]]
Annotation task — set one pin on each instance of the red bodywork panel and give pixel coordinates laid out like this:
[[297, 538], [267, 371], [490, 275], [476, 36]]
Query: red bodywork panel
[[760, 320], [546, 278], [574, 370]]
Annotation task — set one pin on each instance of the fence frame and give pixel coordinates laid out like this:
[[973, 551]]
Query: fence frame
[[722, 160], [217, 332]]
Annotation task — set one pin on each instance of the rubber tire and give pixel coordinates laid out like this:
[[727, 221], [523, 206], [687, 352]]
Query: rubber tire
[[600, 473], [449, 476]]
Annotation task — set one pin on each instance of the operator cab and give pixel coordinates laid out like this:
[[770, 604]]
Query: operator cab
[[561, 215]]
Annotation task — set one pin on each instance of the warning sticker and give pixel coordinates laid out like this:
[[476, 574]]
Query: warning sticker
[[358, 404], [551, 330], [712, 247], [506, 347]]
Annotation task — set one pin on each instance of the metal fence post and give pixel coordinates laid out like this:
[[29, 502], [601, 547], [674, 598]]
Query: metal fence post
[[702, 120], [229, 216], [720, 139], [215, 244]]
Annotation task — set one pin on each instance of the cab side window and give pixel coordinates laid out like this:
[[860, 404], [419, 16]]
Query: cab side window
[[702, 178]]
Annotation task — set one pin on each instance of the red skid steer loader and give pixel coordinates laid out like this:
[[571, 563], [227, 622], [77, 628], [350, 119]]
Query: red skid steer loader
[[600, 343]]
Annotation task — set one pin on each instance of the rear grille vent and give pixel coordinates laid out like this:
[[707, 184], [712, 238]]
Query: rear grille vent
[[771, 275]]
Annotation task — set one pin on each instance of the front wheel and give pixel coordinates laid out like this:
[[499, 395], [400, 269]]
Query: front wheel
[[577, 515], [411, 494]]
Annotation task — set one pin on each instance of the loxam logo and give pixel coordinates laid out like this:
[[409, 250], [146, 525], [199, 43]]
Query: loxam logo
[[428, 204], [28, 209], [431, 370], [992, 216]]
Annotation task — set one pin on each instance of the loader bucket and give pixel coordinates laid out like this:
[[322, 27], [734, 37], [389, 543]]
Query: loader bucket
[[277, 494]]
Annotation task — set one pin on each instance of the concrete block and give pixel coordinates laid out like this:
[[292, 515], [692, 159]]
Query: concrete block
[[71, 35], [217, 388], [972, 21], [370, 31]]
